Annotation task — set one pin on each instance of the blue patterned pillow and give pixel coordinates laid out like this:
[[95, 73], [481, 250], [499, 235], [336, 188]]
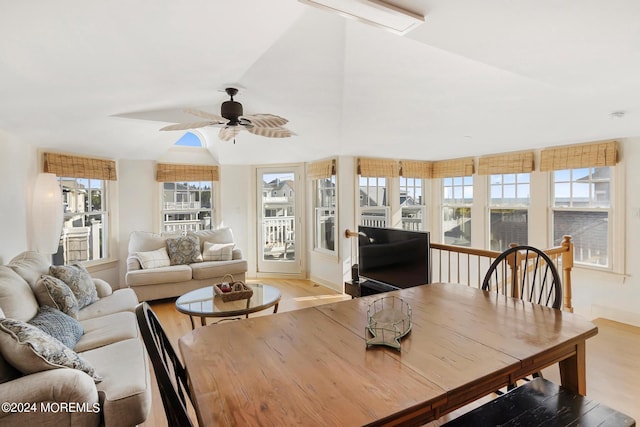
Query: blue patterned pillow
[[79, 280], [184, 250], [59, 325], [55, 293], [30, 350]]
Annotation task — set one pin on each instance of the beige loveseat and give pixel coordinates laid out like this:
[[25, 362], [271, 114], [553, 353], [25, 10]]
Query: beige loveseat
[[161, 277], [110, 343]]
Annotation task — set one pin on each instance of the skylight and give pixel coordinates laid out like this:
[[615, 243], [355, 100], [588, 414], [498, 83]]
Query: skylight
[[189, 140]]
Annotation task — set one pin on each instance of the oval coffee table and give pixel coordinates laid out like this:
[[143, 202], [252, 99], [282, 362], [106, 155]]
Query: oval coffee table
[[205, 303]]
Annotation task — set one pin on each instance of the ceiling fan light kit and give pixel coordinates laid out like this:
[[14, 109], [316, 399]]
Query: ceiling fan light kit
[[233, 120], [373, 12]]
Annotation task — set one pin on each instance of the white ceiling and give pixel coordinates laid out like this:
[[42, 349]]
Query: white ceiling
[[478, 77]]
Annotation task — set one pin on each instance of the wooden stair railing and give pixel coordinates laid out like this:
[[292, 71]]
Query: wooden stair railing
[[468, 266]]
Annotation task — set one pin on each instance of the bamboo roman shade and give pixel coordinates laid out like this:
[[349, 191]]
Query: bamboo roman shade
[[451, 168], [378, 167], [64, 165], [591, 155], [321, 169], [416, 169], [169, 172], [506, 163]]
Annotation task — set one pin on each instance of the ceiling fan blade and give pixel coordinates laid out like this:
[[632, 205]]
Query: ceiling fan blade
[[194, 125], [229, 132], [204, 114], [273, 132], [266, 120]]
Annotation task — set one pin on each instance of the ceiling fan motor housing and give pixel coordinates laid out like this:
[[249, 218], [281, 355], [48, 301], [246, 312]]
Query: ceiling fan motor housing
[[231, 110]]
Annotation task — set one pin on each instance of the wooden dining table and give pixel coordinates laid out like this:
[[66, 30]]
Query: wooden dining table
[[313, 367]]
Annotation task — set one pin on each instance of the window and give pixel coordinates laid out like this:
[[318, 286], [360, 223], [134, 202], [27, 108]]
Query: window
[[412, 203], [582, 209], [325, 214], [187, 205], [374, 211], [457, 197], [85, 230], [509, 210]]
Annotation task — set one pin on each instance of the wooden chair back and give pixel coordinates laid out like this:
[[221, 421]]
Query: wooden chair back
[[170, 374]]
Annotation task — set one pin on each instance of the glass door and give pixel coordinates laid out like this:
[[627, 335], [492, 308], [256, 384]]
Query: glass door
[[279, 217]]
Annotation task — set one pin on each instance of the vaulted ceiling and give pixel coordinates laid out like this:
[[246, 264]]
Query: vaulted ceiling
[[478, 77]]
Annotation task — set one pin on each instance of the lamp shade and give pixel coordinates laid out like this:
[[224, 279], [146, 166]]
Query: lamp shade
[[46, 214]]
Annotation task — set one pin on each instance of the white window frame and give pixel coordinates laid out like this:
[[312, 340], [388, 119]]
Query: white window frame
[[519, 206], [616, 206], [384, 209], [412, 185], [166, 210], [72, 212], [456, 203], [318, 210]]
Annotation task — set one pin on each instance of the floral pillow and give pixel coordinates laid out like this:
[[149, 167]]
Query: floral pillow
[[79, 280], [217, 251], [59, 325], [53, 292], [184, 250], [31, 350]]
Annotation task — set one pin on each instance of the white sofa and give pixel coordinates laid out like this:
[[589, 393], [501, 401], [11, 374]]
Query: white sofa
[[110, 343], [174, 280]]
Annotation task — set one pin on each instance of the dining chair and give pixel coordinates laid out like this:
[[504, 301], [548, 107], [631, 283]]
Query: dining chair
[[526, 273], [170, 375]]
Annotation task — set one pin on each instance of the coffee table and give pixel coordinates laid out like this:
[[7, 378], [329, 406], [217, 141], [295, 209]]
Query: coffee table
[[204, 302]]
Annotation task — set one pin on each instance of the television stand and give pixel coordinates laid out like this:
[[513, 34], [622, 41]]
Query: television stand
[[366, 287]]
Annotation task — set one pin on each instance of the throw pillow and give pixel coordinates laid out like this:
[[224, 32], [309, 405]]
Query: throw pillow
[[217, 252], [31, 350], [59, 325], [55, 293], [154, 259], [79, 280], [184, 250]]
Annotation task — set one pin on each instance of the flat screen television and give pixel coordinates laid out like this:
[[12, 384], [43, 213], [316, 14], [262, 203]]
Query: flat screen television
[[396, 257]]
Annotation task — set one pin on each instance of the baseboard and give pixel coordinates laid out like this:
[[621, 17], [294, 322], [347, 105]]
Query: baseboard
[[327, 284], [622, 316]]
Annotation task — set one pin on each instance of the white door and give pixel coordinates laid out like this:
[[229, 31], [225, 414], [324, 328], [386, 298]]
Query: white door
[[279, 200]]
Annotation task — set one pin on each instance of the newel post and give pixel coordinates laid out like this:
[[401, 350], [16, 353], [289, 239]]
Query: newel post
[[567, 265]]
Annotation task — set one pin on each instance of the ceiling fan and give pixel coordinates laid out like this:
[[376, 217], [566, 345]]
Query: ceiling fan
[[233, 120]]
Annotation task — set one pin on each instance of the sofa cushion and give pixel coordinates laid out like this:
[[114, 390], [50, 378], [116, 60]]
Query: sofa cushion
[[53, 292], [59, 325], [215, 269], [30, 265], [154, 259], [30, 350], [79, 280], [7, 372], [125, 392], [106, 330], [144, 241], [184, 250], [219, 235], [173, 274], [217, 251], [16, 297], [119, 300]]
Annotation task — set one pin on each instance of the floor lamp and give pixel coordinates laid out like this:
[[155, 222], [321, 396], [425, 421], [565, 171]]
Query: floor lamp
[[46, 214]]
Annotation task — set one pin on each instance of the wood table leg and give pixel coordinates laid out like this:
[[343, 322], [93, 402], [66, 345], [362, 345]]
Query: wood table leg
[[203, 321], [193, 326], [573, 373], [275, 308]]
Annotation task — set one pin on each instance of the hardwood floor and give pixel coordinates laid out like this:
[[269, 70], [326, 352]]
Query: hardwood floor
[[612, 356]]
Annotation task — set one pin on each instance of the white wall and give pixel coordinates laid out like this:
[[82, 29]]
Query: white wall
[[17, 176]]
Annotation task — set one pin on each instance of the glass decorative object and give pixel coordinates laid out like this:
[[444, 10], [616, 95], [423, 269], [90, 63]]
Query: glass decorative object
[[389, 319]]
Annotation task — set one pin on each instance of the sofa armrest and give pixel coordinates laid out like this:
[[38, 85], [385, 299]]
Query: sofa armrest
[[133, 263], [55, 385], [104, 289], [236, 253]]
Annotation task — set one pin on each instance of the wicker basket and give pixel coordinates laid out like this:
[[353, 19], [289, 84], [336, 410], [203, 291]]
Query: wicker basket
[[239, 290]]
